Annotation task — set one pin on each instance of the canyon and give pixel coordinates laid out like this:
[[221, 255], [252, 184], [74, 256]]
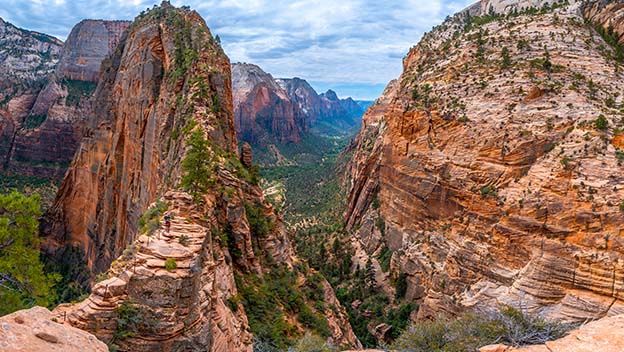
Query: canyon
[[487, 175]]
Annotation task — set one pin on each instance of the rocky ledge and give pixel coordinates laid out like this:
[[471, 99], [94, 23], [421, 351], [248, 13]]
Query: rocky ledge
[[37, 329]]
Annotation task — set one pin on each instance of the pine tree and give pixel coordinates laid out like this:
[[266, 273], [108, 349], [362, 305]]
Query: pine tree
[[23, 282], [370, 280], [196, 165], [506, 59]]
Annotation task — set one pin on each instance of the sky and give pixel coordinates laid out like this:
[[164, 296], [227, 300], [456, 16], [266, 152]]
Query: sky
[[354, 47]]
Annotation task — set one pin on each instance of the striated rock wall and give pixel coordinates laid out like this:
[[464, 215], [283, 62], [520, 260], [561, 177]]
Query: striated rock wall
[[88, 44], [263, 111], [494, 183]]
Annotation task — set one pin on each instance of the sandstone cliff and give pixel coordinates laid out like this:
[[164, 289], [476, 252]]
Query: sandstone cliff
[[26, 60], [52, 124], [492, 167], [263, 111], [162, 143]]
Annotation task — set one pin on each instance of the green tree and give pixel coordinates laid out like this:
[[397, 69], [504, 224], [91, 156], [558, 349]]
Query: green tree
[[196, 166], [505, 58], [23, 282], [601, 123]]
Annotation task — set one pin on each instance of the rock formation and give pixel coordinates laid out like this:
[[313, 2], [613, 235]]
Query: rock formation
[[50, 127], [37, 329], [263, 111], [492, 165], [26, 60], [162, 144], [323, 109]]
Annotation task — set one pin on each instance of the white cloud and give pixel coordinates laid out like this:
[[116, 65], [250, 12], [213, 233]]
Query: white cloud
[[341, 42]]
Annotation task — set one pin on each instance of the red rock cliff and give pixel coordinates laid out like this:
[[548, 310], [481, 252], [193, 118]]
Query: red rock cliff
[[498, 175]]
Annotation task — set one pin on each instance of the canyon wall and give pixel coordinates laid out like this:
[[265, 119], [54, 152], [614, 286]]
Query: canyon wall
[[492, 167], [50, 125]]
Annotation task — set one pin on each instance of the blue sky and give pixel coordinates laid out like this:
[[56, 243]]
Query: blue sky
[[352, 46]]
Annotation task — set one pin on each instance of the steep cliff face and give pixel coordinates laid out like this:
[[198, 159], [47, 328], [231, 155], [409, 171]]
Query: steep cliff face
[[47, 137], [26, 60], [609, 15], [492, 167], [162, 145], [263, 111]]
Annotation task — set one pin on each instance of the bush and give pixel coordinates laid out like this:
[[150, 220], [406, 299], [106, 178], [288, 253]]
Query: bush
[[183, 240], [312, 343], [470, 331], [170, 264], [601, 123], [150, 221]]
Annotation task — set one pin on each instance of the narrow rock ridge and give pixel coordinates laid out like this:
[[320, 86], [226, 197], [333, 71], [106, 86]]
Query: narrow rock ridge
[[494, 183], [165, 93]]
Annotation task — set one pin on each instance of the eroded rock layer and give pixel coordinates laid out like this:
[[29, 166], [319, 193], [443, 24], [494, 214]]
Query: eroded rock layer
[[492, 167]]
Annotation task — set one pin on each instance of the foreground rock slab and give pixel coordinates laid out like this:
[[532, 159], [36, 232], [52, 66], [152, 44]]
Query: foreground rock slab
[[34, 330], [604, 335]]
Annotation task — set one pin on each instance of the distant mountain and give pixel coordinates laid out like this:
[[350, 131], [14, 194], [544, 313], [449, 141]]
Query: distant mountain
[[263, 111], [326, 110]]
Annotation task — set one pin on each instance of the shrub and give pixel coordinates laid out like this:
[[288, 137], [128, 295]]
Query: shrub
[[601, 123], [170, 264], [470, 331], [150, 221], [183, 240], [312, 343], [401, 286]]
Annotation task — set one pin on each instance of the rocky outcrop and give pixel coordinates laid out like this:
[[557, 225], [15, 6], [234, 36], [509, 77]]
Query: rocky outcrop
[[603, 335], [50, 125], [485, 196], [37, 329], [263, 111], [88, 44], [157, 199]]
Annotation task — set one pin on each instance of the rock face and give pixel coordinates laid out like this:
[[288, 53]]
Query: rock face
[[263, 111], [35, 330], [608, 14], [164, 100], [51, 124], [26, 60], [88, 44], [486, 195]]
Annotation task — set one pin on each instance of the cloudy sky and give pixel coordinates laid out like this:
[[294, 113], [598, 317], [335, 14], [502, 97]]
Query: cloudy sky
[[352, 46]]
